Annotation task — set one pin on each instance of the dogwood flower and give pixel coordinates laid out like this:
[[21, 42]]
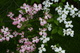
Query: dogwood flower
[[47, 3], [26, 7], [41, 49], [35, 39], [10, 14], [43, 31], [47, 15], [73, 9], [56, 49], [78, 13], [4, 30], [49, 26], [44, 39], [15, 33], [68, 32], [37, 7], [61, 19], [55, 0], [67, 6], [58, 9], [68, 24], [30, 29], [42, 21]]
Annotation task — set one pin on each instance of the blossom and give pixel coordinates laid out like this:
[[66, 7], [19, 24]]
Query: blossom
[[47, 15], [26, 7], [55, 0], [78, 13], [68, 32], [58, 9], [37, 7], [30, 29], [10, 14], [67, 6], [35, 39], [4, 30], [43, 31], [44, 39], [73, 9], [57, 49], [42, 21], [41, 49], [49, 26], [61, 19], [68, 24], [15, 33]]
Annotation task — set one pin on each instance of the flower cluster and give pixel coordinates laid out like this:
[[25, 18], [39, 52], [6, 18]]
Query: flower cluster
[[25, 9], [63, 13], [27, 46], [5, 34], [57, 49]]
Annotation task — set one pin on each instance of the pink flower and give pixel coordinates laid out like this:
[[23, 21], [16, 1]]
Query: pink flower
[[7, 38], [42, 21], [19, 25], [15, 33], [32, 11], [26, 7], [22, 34], [37, 7], [30, 29], [15, 22], [35, 39], [10, 14], [47, 15], [43, 32], [20, 18]]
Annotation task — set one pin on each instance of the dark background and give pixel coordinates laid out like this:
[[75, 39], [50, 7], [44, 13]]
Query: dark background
[[71, 45]]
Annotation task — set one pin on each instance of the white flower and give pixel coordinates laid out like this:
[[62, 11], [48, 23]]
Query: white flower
[[63, 51], [56, 49], [64, 13], [60, 19], [78, 13], [67, 6], [68, 24], [58, 9], [72, 9], [44, 39], [55, 0], [68, 32], [47, 3], [65, 32], [49, 27], [41, 49], [53, 47]]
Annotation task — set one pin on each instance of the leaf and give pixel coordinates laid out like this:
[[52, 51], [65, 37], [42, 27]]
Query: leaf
[[63, 0], [56, 22], [60, 31], [26, 0], [49, 20], [54, 31]]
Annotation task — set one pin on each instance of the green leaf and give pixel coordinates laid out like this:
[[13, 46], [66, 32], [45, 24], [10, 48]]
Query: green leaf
[[60, 31], [50, 20], [63, 0], [26, 0], [54, 31], [56, 22]]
